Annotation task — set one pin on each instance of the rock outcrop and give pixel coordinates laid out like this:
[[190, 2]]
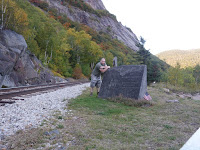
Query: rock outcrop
[[96, 4], [103, 23], [18, 66]]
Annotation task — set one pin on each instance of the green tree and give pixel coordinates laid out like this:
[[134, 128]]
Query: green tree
[[175, 75], [109, 58], [188, 79], [94, 54], [144, 54], [84, 51], [196, 74], [12, 16], [153, 71]]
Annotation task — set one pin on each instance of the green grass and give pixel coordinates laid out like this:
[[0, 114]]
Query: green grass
[[60, 126], [112, 125], [99, 124]]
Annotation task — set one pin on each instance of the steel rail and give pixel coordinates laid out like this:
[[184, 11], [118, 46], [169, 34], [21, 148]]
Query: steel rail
[[10, 95]]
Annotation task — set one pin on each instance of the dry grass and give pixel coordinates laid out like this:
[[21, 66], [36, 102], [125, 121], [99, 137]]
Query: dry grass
[[103, 125], [131, 102], [179, 89], [26, 139]]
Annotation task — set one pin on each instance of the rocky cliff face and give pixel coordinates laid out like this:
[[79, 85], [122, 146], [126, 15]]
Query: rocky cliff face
[[18, 66], [96, 4], [104, 23]]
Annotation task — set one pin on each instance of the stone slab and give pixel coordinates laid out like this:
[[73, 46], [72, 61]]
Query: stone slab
[[196, 97], [172, 101], [129, 81]]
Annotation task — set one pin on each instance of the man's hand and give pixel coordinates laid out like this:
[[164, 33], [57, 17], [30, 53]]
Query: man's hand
[[104, 68], [107, 66]]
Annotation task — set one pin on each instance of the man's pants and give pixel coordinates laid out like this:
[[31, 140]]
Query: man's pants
[[95, 81]]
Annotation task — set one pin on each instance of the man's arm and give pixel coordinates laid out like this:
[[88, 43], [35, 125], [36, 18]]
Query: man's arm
[[104, 68]]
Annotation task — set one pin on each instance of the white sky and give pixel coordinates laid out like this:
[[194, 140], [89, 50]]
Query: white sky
[[164, 24]]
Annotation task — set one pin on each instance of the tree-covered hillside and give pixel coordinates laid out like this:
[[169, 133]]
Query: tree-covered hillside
[[66, 47], [184, 73], [186, 58]]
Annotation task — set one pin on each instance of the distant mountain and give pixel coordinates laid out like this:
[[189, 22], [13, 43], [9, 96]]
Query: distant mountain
[[186, 58]]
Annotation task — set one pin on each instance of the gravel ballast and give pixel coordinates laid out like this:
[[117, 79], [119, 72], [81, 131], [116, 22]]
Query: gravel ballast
[[34, 109]]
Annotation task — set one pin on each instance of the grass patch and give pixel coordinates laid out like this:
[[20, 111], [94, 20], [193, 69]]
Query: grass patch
[[101, 124], [26, 139], [60, 117], [125, 124], [60, 126], [167, 126]]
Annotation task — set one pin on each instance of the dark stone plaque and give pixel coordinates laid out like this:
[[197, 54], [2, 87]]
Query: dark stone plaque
[[128, 81]]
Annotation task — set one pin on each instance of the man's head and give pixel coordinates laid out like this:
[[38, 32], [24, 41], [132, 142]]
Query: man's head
[[103, 61]]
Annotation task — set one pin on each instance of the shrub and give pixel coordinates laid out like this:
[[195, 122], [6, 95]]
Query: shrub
[[77, 72], [86, 70], [57, 74]]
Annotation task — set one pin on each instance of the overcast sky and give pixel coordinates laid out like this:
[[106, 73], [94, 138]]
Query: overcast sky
[[164, 24]]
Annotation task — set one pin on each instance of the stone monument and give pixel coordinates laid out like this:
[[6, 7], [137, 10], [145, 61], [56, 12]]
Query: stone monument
[[115, 61], [129, 81]]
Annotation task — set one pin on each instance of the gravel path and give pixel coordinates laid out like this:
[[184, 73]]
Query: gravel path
[[36, 108]]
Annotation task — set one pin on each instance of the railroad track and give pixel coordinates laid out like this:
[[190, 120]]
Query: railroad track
[[8, 95]]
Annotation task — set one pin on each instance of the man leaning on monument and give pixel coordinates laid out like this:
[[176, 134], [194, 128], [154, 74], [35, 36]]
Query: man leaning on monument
[[99, 69]]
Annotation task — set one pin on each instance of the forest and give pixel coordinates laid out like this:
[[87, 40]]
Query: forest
[[68, 48], [182, 79], [186, 58], [184, 72]]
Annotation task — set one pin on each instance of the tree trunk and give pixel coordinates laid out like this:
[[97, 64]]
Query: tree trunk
[[45, 54], [92, 66], [2, 15], [50, 56]]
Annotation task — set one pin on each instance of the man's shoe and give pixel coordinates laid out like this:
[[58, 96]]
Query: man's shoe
[[91, 93], [97, 93]]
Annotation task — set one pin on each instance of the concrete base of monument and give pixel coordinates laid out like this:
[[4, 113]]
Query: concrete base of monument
[[129, 81], [193, 143]]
